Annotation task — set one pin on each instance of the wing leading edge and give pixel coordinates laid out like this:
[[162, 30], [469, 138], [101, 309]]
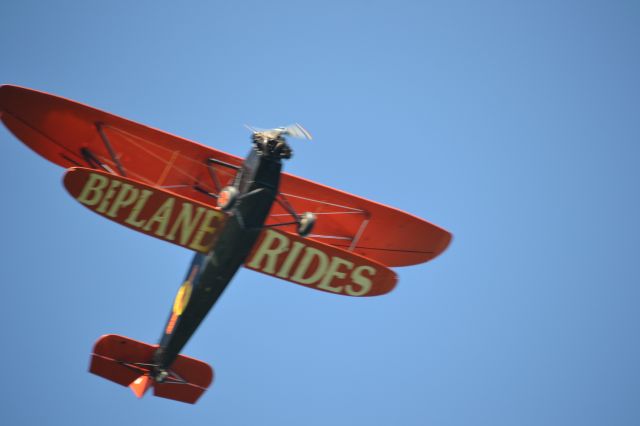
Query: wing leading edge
[[71, 134]]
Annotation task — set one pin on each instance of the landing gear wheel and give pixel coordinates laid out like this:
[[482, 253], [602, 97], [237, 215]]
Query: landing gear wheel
[[227, 198], [307, 220], [161, 376]]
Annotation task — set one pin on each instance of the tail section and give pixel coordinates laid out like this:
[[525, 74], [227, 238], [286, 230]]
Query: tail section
[[129, 363]]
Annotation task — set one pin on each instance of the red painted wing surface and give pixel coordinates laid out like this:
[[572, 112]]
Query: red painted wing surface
[[194, 225], [71, 134]]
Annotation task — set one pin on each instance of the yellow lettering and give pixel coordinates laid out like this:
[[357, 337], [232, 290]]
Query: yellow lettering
[[92, 191], [291, 258], [271, 253], [127, 195], [161, 216], [309, 254], [206, 227], [364, 283], [186, 222], [107, 197], [133, 216], [334, 272]]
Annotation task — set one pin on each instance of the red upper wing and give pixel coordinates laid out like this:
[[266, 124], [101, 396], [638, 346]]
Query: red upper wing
[[59, 130]]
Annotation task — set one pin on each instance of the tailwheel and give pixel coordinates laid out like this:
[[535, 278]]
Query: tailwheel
[[161, 376], [227, 197], [305, 226]]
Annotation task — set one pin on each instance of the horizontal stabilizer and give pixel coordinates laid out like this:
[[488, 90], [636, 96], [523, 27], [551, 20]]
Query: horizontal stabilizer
[[129, 363]]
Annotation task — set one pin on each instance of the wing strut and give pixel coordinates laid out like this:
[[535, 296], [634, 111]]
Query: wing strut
[[355, 240], [214, 175], [93, 161], [204, 191], [284, 203], [112, 153], [282, 200]]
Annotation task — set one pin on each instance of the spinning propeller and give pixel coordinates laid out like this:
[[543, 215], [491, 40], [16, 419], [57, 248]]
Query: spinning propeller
[[294, 130]]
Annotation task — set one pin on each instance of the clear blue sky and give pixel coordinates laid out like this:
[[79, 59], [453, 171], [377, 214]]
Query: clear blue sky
[[515, 125]]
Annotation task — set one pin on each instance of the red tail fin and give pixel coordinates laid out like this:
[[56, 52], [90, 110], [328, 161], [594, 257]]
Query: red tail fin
[[140, 385], [129, 363]]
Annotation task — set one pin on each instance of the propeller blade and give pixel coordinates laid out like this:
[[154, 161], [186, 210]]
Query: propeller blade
[[297, 131], [294, 130], [252, 129]]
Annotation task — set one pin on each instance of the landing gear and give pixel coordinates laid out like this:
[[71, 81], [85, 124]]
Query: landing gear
[[305, 226], [227, 198], [161, 376]]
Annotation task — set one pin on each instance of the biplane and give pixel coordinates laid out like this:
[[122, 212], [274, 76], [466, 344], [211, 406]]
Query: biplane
[[230, 211]]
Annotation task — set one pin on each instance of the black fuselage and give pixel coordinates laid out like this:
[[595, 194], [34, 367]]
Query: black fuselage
[[257, 183]]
